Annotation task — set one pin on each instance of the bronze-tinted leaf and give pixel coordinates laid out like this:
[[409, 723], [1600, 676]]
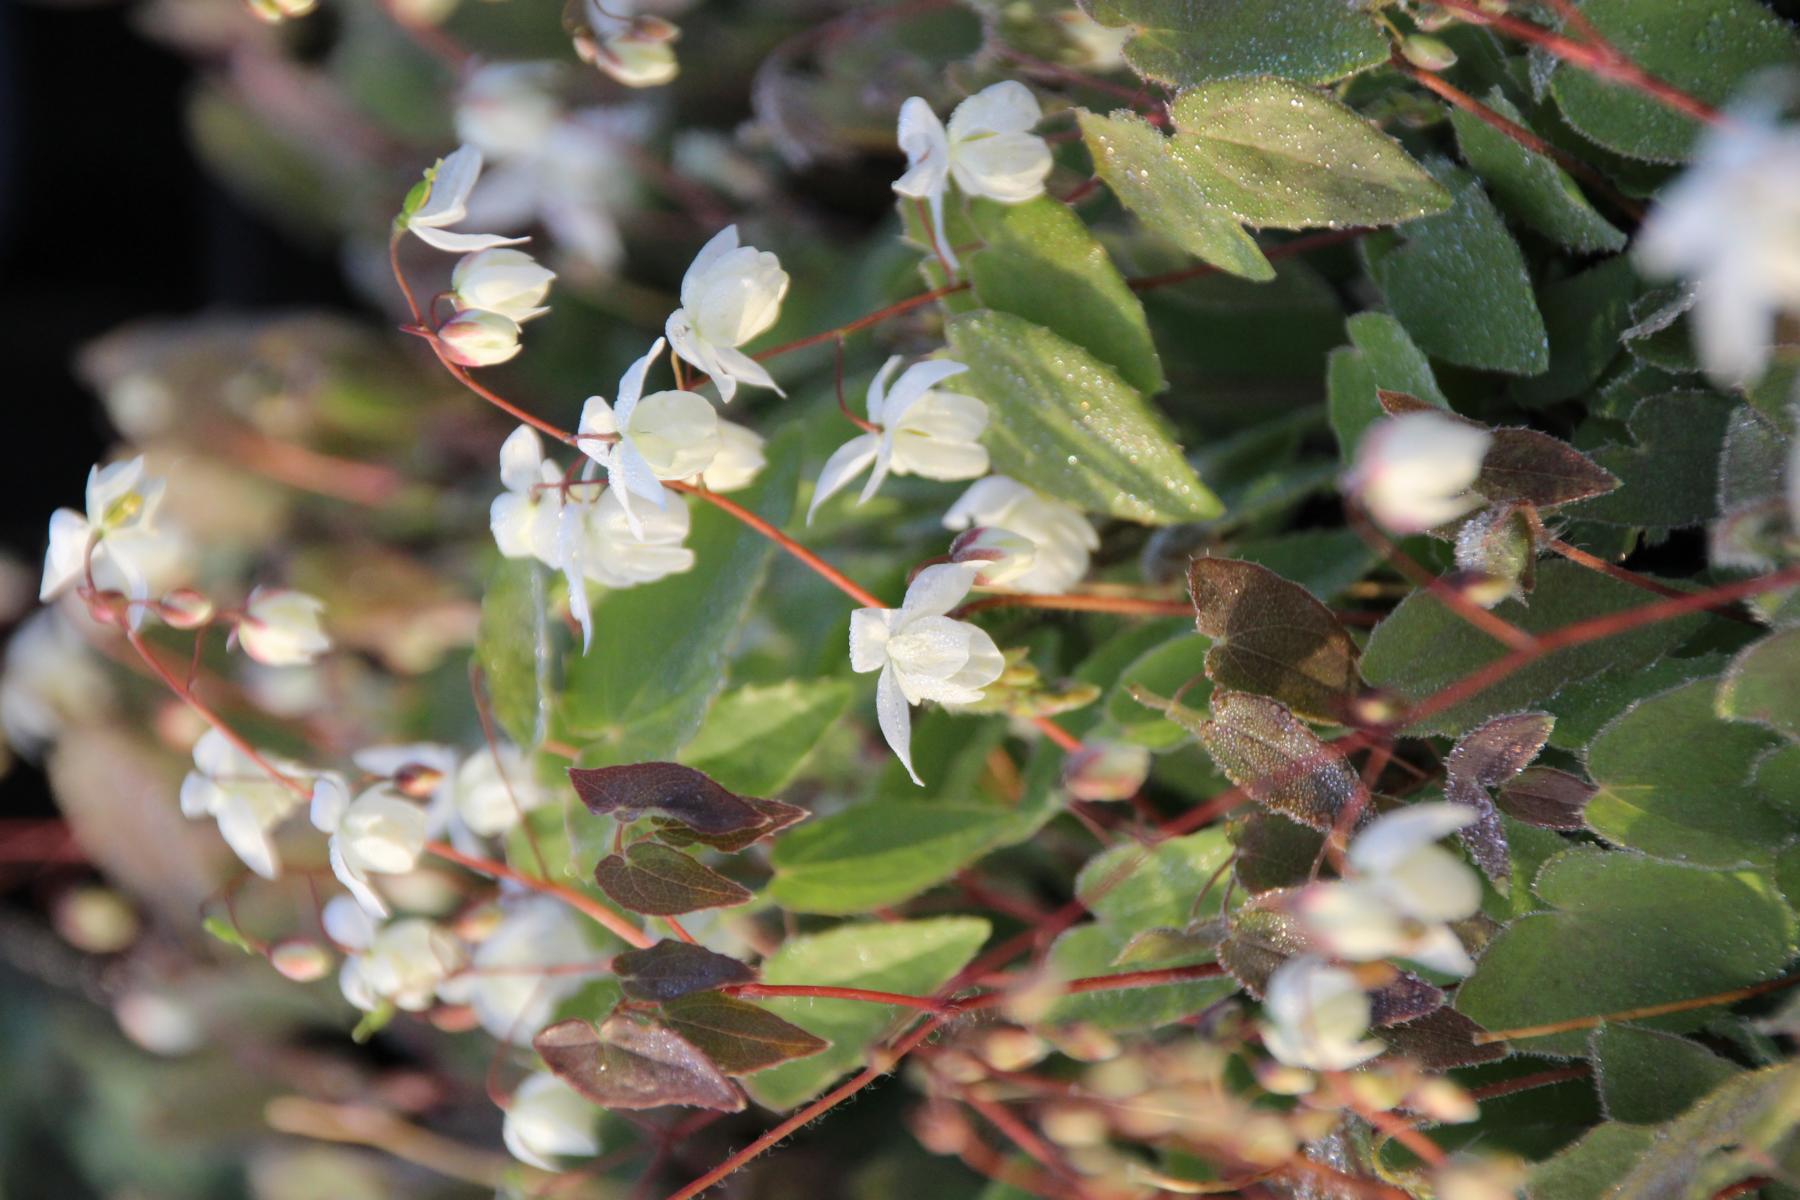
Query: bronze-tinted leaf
[[1271, 637], [1396, 404], [737, 1035], [1484, 758], [776, 815], [1440, 1040], [625, 1063], [1404, 998], [1278, 760], [667, 790], [671, 969], [1548, 798], [1523, 464], [1263, 935], [663, 882], [1272, 851]]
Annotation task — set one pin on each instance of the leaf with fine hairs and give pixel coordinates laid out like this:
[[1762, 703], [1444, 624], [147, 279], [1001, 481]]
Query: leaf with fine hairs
[[776, 816], [663, 789], [654, 879], [1523, 465], [1441, 1039], [737, 1035], [670, 970], [1547, 798], [1271, 637], [1485, 758], [625, 1063], [1273, 755]]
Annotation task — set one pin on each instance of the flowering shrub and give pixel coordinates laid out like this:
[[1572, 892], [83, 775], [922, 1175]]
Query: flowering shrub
[[1303, 703]]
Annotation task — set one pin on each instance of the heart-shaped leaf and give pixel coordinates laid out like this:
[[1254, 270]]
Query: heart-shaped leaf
[[663, 882], [1273, 755], [625, 1063], [1547, 798], [776, 816], [1271, 637], [665, 789], [1523, 464], [1484, 758], [670, 970], [737, 1035]]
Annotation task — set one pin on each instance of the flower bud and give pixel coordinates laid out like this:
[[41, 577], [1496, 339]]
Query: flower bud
[[633, 59], [185, 608], [547, 1120], [300, 959], [1282, 1080], [1434, 20], [274, 12], [417, 781], [96, 920], [1000, 556], [477, 338], [504, 281], [1414, 472], [1106, 771], [1433, 54], [280, 628]]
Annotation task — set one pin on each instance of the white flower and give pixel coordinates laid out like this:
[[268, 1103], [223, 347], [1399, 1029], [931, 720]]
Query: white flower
[[511, 999], [231, 787], [120, 524], [51, 681], [280, 628], [347, 925], [730, 294], [447, 184], [382, 833], [476, 338], [1414, 472], [665, 435], [1317, 1017], [505, 109], [508, 282], [493, 794], [919, 431], [598, 540], [1062, 535], [1402, 892], [402, 965], [1731, 224], [989, 150], [548, 1119], [923, 654], [1101, 48], [999, 556], [739, 461], [523, 517]]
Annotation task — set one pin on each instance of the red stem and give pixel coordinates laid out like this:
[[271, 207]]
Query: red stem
[[582, 903], [825, 570]]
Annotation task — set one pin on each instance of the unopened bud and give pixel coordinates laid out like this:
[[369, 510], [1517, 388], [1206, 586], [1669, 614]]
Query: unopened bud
[[939, 1129], [501, 280], [300, 959], [1480, 588], [652, 28], [185, 608], [1072, 1125], [477, 338], [631, 59], [999, 556], [96, 920], [1433, 54], [1281, 1079], [1084, 1042], [1433, 20], [1442, 1100], [479, 923], [274, 12], [1106, 771], [416, 781], [1013, 1049]]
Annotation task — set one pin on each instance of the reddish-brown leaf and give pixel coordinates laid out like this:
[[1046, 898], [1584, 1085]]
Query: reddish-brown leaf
[[1273, 755], [776, 817], [1484, 758], [670, 970], [663, 882], [666, 790], [737, 1035], [625, 1063], [1273, 638], [1548, 798]]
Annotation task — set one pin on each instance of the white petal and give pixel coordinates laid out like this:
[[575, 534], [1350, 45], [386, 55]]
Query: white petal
[[717, 247], [927, 148], [631, 384], [869, 629], [895, 719], [917, 380], [366, 896], [451, 184], [65, 562], [244, 833], [740, 368], [521, 456], [1000, 108], [463, 243], [1391, 837], [937, 589], [846, 463]]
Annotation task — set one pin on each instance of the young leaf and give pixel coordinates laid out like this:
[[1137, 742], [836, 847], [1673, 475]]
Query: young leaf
[[755, 738], [1042, 264], [1276, 154], [670, 970], [661, 881], [776, 815], [1273, 851], [665, 789], [1271, 637], [1440, 1040], [1065, 423], [1525, 465], [1187, 41], [1547, 798], [738, 1036], [1485, 758], [1132, 158], [1282, 764], [627, 1064], [1624, 932]]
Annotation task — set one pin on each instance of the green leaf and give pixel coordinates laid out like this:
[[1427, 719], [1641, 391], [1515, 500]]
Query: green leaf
[[1042, 264], [1706, 48], [507, 644], [1423, 647], [624, 1063], [880, 854], [1734, 1133], [1380, 358], [1675, 782], [1276, 154], [1187, 41], [1089, 950], [1670, 475], [1626, 932], [1161, 670], [1647, 1077], [756, 737], [1529, 185], [1585, 314], [1591, 1167], [1133, 889], [738, 1036], [1459, 285], [911, 957], [1273, 638], [662, 881], [1587, 706], [227, 932], [659, 650], [1064, 423], [1284, 766], [1133, 159], [1762, 684]]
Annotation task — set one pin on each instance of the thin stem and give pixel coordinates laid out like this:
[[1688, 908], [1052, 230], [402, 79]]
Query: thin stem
[[494, 398], [1134, 606], [584, 904], [1580, 557], [1636, 1014], [875, 318], [825, 570], [1501, 630], [804, 991]]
